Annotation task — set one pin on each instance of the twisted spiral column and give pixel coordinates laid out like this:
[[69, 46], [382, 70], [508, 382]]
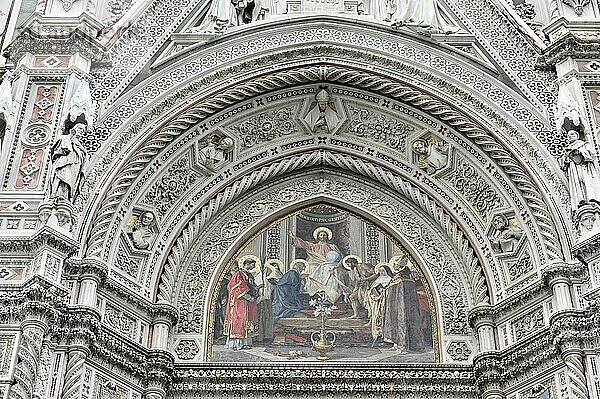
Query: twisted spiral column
[[74, 373], [575, 372], [29, 352], [43, 369]]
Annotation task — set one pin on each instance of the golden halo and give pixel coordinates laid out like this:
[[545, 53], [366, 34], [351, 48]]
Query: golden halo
[[358, 259], [320, 229], [270, 270], [403, 262], [304, 262], [255, 258]]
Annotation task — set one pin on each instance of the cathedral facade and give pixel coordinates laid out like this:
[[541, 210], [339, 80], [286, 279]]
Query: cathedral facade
[[299, 198]]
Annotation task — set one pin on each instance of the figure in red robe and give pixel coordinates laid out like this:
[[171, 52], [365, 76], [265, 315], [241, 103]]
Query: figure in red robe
[[241, 314]]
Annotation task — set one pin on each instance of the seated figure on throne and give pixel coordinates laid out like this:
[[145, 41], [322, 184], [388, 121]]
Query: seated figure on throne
[[323, 260]]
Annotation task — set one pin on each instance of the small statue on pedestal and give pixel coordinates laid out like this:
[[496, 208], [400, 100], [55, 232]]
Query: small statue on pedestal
[[579, 162], [68, 160], [68, 156]]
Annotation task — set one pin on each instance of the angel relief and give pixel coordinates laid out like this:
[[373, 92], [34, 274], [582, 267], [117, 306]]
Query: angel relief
[[320, 285]]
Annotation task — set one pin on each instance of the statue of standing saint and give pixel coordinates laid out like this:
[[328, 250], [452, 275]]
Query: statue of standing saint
[[422, 15], [68, 160], [579, 162]]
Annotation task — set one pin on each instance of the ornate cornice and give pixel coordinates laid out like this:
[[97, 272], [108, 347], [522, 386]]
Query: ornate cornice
[[67, 43], [36, 297], [31, 244], [565, 270], [568, 46], [588, 248], [143, 363], [90, 266], [328, 378]]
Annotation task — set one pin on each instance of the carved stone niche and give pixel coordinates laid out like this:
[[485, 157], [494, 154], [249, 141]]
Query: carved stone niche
[[137, 238], [587, 220], [213, 151], [141, 230], [323, 113], [508, 243], [505, 235], [431, 154]]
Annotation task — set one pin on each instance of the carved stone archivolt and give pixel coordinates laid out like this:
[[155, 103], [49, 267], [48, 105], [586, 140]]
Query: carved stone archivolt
[[538, 207], [300, 77], [271, 156]]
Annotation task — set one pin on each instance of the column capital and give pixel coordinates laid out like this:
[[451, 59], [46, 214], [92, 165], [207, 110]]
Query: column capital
[[88, 268], [562, 271], [482, 315], [164, 312]]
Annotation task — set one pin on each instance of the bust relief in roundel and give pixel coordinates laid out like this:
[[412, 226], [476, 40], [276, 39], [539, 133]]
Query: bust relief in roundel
[[323, 285]]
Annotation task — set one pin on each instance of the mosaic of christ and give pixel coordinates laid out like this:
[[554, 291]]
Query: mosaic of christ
[[323, 272]]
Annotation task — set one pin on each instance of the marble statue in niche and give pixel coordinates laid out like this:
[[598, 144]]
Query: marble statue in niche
[[506, 234], [224, 14], [379, 312], [7, 107], [432, 155], [215, 152], [568, 112], [322, 116], [68, 157], [139, 230], [421, 15], [580, 163]]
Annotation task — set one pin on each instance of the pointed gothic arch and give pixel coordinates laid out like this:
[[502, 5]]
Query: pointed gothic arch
[[384, 225], [212, 247]]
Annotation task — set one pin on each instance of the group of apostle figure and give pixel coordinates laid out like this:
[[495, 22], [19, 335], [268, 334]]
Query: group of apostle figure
[[422, 14], [397, 315], [257, 297]]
